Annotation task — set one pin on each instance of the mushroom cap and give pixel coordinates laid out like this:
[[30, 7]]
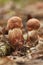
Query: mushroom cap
[[14, 22], [33, 24], [16, 37]]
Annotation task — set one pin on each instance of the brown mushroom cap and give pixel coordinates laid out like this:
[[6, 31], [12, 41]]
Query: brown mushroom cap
[[33, 24], [14, 22], [16, 37]]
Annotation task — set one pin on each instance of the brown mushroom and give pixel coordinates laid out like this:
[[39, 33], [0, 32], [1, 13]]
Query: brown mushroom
[[32, 27], [16, 37], [14, 22], [33, 24]]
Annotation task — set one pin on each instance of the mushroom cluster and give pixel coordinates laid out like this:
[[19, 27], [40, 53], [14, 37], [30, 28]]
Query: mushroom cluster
[[16, 37]]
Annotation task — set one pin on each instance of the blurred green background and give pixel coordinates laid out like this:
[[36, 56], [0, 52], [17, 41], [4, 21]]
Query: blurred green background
[[20, 2]]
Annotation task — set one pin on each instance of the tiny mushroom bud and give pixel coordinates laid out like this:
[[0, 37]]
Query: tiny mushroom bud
[[14, 22], [33, 24], [16, 37]]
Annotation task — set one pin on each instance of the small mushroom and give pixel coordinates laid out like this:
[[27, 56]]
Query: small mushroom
[[14, 22], [16, 37], [33, 24], [32, 27]]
